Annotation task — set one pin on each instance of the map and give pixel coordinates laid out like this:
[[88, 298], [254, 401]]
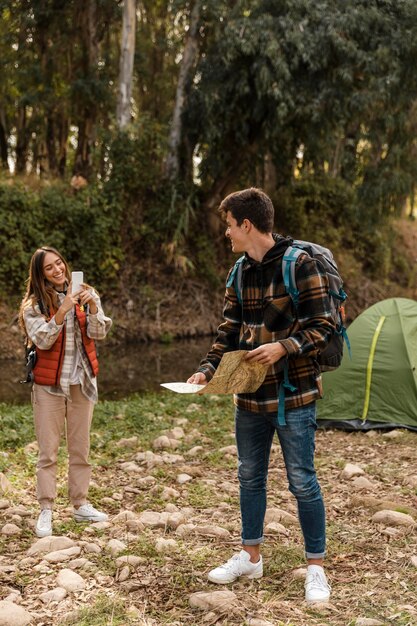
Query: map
[[234, 375]]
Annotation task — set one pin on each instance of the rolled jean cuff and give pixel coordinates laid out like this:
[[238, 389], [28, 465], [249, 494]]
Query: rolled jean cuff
[[315, 555], [252, 542]]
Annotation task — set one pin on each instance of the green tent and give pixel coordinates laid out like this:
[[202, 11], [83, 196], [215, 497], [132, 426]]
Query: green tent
[[377, 387]]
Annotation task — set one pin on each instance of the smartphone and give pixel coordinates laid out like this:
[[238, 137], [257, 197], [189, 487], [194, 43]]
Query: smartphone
[[77, 279]]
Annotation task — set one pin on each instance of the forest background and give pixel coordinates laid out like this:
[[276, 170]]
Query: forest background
[[124, 124]]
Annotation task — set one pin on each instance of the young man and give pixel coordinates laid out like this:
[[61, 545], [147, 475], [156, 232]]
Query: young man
[[275, 333]]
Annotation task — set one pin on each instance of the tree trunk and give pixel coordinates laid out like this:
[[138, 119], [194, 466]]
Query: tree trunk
[[86, 126], [4, 148], [21, 140], [127, 55], [172, 164]]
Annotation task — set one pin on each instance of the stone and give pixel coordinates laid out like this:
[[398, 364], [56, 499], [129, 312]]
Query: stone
[[278, 515], [92, 548], [54, 595], [362, 483], [146, 481], [166, 545], [212, 531], [123, 574], [413, 560], [368, 621], [130, 467], [130, 442], [220, 600], [151, 519], [393, 518], [409, 481], [183, 478], [79, 563], [168, 493], [130, 559], [350, 471], [4, 504], [393, 434], [185, 529], [170, 459], [299, 573], [229, 450], [71, 581], [115, 546], [276, 528], [176, 433], [192, 407], [195, 451], [100, 525], [256, 621], [50, 544], [12, 614], [176, 519], [164, 442], [60, 556], [5, 484], [10, 530], [123, 516], [18, 510]]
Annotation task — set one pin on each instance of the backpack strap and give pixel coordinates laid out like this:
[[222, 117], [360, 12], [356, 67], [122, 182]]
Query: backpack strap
[[289, 260], [235, 278], [285, 384]]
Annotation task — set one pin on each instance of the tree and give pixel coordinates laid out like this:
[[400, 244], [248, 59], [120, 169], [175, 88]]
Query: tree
[[126, 63]]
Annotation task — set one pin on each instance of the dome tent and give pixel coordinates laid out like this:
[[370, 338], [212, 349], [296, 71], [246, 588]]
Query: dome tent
[[377, 388]]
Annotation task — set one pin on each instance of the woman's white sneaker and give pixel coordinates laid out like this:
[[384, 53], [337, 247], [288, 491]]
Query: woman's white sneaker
[[44, 523], [87, 513], [316, 585], [238, 565]]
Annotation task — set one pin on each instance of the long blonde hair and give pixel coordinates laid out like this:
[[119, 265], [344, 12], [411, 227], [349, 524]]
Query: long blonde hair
[[39, 290]]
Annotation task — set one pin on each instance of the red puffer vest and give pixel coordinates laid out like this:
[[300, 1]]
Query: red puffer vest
[[47, 370]]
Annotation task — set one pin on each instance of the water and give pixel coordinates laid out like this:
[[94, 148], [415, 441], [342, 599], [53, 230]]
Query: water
[[124, 369]]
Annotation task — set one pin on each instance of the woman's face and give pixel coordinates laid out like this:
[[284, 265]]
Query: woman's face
[[54, 270]]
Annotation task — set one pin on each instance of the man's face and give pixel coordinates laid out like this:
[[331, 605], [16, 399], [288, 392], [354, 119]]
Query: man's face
[[236, 234]]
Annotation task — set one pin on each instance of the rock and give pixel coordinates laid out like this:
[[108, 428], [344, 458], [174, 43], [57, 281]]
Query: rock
[[176, 519], [71, 581], [164, 442], [12, 614], [393, 518], [130, 559], [130, 442], [31, 447], [392, 434], [183, 478], [185, 529], [5, 484], [134, 525], [130, 467], [11, 529], [368, 621], [413, 561], [192, 407], [149, 458], [115, 546], [362, 483], [175, 433], [172, 458], [276, 528], [256, 621], [123, 574], [54, 595], [168, 493], [62, 555], [92, 548], [18, 510], [229, 450], [150, 519], [50, 544], [79, 563], [166, 545], [212, 531], [409, 481], [123, 516], [146, 481], [391, 532], [220, 600], [100, 525], [299, 573], [278, 515], [4, 504], [350, 471], [195, 451]]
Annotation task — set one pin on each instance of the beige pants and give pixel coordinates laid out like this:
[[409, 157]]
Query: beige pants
[[51, 414]]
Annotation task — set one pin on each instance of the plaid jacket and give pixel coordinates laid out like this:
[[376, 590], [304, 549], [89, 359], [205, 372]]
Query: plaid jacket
[[269, 315], [43, 334]]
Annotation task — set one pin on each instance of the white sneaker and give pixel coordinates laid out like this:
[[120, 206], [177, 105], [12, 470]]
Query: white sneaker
[[87, 513], [238, 565], [44, 523], [316, 585]]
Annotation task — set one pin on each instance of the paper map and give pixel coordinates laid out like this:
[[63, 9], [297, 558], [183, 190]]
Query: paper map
[[234, 375]]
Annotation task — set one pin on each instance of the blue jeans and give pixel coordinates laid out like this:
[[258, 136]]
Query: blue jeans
[[254, 435]]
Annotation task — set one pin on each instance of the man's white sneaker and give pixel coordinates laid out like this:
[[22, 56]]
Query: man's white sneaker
[[87, 513], [238, 565], [44, 523], [316, 585]]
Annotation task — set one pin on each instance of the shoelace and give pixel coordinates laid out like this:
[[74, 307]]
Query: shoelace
[[316, 581], [45, 517], [234, 565]]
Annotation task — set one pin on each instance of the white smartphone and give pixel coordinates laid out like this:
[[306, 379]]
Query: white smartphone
[[77, 278]]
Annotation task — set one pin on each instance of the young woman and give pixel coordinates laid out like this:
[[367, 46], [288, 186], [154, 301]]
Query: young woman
[[63, 327]]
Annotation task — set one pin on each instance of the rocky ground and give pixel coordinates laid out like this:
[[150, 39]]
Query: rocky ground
[[165, 471]]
